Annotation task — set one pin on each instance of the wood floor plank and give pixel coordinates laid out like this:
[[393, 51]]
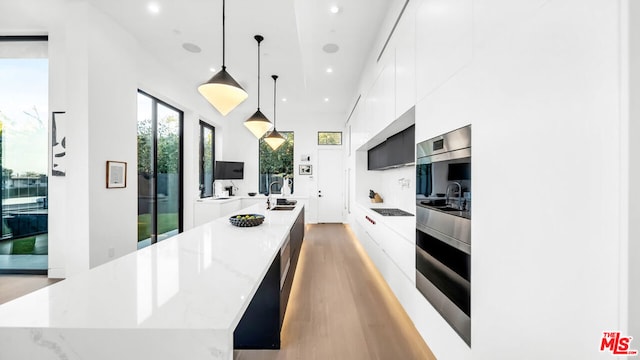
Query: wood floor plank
[[14, 286], [341, 308]]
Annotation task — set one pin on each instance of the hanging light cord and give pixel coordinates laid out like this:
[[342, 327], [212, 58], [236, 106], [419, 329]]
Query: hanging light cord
[[275, 77], [259, 41], [223, 35]]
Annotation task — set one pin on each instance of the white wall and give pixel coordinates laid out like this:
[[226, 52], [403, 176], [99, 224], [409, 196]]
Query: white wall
[[632, 251], [96, 68], [241, 145], [540, 83], [112, 122]]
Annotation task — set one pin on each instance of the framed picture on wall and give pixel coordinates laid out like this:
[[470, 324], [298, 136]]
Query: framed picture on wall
[[58, 144], [116, 174], [305, 170]]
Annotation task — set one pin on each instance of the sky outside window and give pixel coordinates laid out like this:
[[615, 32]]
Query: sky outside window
[[24, 114]]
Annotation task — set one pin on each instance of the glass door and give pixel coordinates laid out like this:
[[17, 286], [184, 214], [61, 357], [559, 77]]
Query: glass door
[[159, 170], [24, 82]]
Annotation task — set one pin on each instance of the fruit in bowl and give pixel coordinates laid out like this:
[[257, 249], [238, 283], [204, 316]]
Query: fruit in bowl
[[246, 220]]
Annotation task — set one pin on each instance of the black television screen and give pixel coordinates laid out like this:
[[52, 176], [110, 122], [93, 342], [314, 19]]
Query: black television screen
[[229, 170], [460, 171]]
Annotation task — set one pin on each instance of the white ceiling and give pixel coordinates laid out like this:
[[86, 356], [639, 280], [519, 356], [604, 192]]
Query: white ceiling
[[295, 32]]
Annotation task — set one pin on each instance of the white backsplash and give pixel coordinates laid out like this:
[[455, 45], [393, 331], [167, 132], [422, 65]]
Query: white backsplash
[[396, 187]]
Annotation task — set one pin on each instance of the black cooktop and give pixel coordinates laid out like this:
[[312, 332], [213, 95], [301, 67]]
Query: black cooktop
[[391, 212]]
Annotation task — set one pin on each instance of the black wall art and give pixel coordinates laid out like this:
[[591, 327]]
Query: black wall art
[[58, 144]]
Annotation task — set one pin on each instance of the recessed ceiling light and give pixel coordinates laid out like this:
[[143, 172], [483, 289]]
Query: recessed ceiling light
[[191, 47], [212, 69], [284, 99], [153, 8], [334, 9], [326, 99], [329, 70]]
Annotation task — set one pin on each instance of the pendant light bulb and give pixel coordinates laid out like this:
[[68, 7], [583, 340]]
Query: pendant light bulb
[[274, 139], [258, 124], [222, 91]]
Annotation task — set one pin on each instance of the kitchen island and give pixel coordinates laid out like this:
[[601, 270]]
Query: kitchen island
[[181, 298]]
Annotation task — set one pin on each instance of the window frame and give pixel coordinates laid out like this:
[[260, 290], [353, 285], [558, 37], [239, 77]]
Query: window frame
[[293, 172], [330, 132], [205, 125], [154, 135]]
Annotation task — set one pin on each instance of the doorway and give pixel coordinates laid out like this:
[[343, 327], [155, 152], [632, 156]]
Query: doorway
[[159, 170], [330, 189]]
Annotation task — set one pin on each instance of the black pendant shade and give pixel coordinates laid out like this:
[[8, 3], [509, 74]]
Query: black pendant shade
[[222, 91], [258, 123]]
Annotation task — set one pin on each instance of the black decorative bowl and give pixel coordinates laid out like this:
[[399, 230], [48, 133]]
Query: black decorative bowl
[[251, 194], [246, 220]]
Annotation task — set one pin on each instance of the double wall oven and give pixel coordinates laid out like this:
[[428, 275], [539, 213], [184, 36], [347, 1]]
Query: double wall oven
[[443, 226]]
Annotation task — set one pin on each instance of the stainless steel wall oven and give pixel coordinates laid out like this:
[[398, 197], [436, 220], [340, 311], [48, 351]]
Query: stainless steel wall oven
[[443, 226]]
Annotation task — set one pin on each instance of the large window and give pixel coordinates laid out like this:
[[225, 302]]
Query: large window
[[24, 156], [159, 170], [276, 165], [207, 158]]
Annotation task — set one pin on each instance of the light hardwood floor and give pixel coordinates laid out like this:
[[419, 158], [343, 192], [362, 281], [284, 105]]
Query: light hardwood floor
[[13, 286], [341, 308]]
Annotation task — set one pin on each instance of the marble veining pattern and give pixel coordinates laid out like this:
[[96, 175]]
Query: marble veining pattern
[[180, 298]]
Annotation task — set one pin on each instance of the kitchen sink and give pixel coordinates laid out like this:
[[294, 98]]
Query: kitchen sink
[[283, 208], [445, 208]]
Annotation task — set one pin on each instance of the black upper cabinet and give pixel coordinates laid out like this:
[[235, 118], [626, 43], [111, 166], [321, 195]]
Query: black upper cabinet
[[397, 150], [378, 157]]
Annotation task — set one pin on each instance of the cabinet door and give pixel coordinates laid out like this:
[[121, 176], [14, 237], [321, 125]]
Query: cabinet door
[[394, 149], [408, 145], [378, 157], [443, 42], [405, 63]]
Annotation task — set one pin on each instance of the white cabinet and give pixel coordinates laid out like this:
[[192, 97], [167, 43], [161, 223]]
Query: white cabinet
[[206, 210], [380, 102], [258, 199], [230, 207], [377, 106], [405, 65], [443, 42], [399, 253]]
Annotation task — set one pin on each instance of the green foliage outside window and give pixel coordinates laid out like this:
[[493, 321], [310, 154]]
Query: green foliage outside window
[[276, 165], [168, 146], [329, 138]]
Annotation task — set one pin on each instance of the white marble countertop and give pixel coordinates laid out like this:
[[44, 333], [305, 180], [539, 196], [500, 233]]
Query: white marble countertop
[[202, 279], [213, 200]]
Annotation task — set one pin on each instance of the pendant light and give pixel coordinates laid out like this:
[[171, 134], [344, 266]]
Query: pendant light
[[258, 124], [222, 91], [274, 139]]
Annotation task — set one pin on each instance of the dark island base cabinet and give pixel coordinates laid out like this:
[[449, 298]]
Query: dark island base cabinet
[[261, 323]]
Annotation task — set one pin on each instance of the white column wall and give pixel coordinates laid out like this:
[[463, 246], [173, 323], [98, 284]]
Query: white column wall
[[112, 127]]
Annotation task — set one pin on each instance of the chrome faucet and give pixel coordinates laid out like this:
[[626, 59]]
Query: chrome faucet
[[460, 206], [270, 193]]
